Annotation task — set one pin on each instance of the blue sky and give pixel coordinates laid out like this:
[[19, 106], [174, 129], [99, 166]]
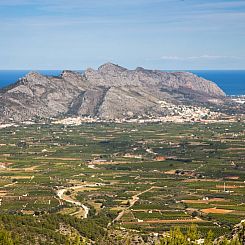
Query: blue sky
[[156, 34]]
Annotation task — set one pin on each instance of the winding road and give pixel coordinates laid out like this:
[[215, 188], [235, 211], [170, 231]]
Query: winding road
[[61, 193]]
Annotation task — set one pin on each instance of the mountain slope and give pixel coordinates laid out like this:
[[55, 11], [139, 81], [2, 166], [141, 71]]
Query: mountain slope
[[110, 92]]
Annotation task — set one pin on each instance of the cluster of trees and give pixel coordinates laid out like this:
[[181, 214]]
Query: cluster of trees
[[193, 237], [17, 230], [5, 237], [42, 229], [76, 241]]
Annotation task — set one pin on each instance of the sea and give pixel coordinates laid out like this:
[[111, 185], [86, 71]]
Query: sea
[[231, 81]]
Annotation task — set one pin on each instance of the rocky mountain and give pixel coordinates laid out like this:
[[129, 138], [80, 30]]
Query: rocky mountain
[[111, 92]]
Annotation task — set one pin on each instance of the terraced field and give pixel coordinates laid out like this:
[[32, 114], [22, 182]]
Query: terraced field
[[149, 177]]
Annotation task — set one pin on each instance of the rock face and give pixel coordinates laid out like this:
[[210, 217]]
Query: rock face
[[108, 93]]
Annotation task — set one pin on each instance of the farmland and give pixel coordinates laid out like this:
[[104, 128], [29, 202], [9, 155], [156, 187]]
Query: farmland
[[144, 178]]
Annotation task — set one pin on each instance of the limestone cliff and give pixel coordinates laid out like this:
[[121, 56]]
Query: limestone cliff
[[110, 92]]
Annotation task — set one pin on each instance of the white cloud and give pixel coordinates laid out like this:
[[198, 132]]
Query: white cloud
[[205, 56]]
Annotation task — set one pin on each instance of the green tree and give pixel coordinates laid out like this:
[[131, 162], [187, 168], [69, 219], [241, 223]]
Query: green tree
[[5, 237], [235, 242], [176, 237], [192, 233], [209, 239], [76, 241]]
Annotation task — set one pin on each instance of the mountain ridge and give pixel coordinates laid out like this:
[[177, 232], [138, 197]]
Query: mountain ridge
[[110, 92]]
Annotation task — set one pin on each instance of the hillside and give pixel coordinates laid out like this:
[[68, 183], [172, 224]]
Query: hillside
[[111, 92]]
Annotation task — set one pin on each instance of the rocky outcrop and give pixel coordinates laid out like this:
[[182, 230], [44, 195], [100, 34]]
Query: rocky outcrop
[[237, 236], [110, 92], [114, 75]]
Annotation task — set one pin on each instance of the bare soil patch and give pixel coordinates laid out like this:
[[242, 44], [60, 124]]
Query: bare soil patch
[[216, 211], [172, 172], [3, 193]]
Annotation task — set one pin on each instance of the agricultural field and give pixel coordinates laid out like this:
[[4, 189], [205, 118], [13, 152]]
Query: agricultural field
[[135, 177]]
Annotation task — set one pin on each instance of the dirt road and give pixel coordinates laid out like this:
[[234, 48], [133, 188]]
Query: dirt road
[[132, 201], [61, 193]]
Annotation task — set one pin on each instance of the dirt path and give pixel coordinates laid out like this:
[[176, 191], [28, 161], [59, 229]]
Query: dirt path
[[132, 201], [11, 184]]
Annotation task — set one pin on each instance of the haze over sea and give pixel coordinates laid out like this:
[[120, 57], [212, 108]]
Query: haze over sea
[[231, 81]]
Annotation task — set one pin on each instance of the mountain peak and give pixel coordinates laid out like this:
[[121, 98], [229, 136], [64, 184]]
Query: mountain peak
[[69, 73], [110, 67], [32, 74], [33, 77]]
